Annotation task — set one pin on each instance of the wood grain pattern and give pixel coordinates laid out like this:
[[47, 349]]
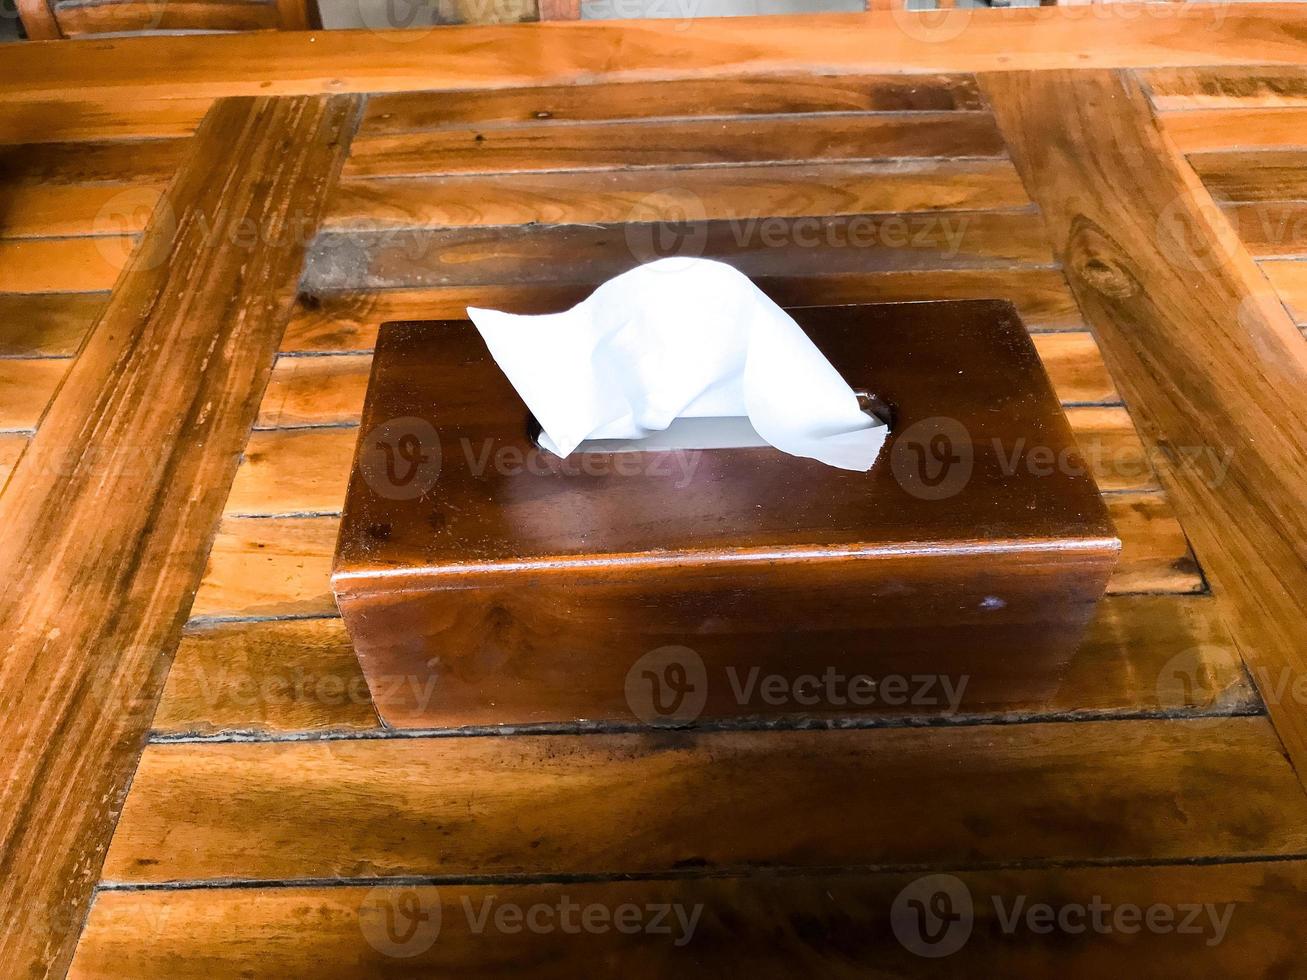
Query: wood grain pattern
[[568, 804], [277, 678], [1270, 229], [1236, 175], [1074, 363], [759, 96], [1237, 129], [109, 512], [348, 321], [54, 210], [275, 567], [281, 678], [38, 20], [109, 162], [1157, 557], [526, 594], [1290, 281], [11, 447], [763, 925], [286, 472], [315, 391], [1227, 87], [699, 194], [269, 568], [681, 142], [26, 387], [1170, 298], [55, 265], [759, 247], [1112, 448], [100, 119], [78, 18], [329, 390], [564, 53], [46, 324]]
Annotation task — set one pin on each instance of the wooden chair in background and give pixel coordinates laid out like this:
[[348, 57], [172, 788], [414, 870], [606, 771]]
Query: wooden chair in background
[[46, 20]]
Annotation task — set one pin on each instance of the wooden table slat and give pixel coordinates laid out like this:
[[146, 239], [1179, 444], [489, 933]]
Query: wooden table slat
[[656, 802], [1246, 922], [100, 119], [682, 142], [46, 324], [108, 513], [562, 105], [758, 247], [676, 195]]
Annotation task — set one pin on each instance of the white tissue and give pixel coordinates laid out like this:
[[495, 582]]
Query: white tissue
[[679, 338]]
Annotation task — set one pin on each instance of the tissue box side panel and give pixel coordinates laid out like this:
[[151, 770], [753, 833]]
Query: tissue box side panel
[[932, 635]]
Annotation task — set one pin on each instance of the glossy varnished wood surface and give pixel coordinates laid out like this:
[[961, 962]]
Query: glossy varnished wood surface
[[1206, 318], [442, 372], [565, 53], [710, 801], [527, 593], [109, 510], [769, 926], [1154, 793]]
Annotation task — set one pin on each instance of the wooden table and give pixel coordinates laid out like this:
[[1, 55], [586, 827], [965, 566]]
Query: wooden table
[[188, 747]]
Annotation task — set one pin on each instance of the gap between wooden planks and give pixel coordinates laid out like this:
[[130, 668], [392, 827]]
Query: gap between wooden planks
[[109, 511]]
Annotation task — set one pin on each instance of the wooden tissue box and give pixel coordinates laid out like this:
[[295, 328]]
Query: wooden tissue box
[[487, 583]]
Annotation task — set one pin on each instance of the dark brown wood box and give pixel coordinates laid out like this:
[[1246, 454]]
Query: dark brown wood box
[[487, 583]]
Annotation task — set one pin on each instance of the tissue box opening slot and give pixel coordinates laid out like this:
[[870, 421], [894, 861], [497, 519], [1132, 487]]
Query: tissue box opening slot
[[708, 432], [721, 432]]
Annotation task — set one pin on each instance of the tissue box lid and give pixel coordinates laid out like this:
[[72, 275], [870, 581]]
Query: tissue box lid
[[448, 485]]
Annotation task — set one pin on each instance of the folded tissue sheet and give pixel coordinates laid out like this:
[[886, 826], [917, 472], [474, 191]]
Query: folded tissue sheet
[[679, 339]]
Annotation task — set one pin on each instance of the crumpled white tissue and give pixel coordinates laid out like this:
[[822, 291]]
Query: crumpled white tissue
[[679, 338]]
